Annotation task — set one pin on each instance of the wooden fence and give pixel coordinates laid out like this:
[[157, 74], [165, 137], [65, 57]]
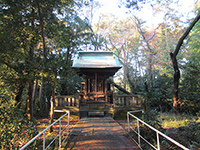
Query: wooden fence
[[66, 101], [122, 100], [127, 100]]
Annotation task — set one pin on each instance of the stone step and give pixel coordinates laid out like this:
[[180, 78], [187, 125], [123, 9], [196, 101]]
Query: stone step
[[95, 113]]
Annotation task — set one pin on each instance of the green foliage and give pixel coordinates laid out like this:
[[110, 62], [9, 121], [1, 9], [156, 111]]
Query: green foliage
[[150, 117], [69, 85], [14, 129], [193, 133], [159, 96]]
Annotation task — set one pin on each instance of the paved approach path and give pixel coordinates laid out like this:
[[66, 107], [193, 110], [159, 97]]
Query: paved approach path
[[97, 134]]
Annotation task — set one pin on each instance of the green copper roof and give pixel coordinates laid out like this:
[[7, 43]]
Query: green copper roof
[[96, 59]]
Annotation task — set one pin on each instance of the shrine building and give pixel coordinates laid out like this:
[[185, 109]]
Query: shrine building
[[96, 67]]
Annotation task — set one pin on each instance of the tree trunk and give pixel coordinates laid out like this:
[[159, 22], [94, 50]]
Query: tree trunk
[[29, 102], [130, 82], [119, 87], [175, 64], [146, 87], [42, 30], [19, 96], [40, 94], [150, 76], [150, 50], [145, 104], [34, 93], [175, 80], [125, 77], [47, 97], [51, 114]]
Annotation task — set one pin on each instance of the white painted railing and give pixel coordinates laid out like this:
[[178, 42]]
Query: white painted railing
[[58, 135], [158, 133]]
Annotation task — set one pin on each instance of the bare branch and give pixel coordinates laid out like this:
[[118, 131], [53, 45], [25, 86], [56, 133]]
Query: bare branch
[[180, 42]]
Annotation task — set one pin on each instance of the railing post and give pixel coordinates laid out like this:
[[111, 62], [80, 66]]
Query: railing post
[[44, 141], [60, 133], [68, 122], [128, 121], [158, 141], [138, 126]]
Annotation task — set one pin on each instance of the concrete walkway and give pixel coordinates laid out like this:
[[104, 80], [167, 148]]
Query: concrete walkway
[[99, 133]]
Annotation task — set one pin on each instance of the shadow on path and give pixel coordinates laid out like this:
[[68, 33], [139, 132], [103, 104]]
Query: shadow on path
[[99, 133]]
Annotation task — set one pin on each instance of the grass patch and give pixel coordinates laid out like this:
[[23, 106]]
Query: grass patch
[[170, 120], [185, 129], [74, 112], [120, 112]]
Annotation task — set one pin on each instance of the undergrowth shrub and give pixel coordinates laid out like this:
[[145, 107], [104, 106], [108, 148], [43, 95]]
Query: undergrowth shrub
[[15, 131], [150, 117], [193, 133]]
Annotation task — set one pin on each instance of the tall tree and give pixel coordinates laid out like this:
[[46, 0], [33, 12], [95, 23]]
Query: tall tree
[[173, 56]]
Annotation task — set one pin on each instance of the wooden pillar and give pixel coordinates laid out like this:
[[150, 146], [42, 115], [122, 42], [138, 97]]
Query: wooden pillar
[[106, 98], [56, 101], [77, 99], [88, 85], [68, 101], [129, 101], [122, 101], [95, 86], [72, 101], [114, 99], [137, 100], [64, 101], [133, 100]]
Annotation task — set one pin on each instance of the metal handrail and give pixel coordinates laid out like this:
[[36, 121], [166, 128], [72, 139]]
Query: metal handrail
[[59, 134], [152, 128]]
